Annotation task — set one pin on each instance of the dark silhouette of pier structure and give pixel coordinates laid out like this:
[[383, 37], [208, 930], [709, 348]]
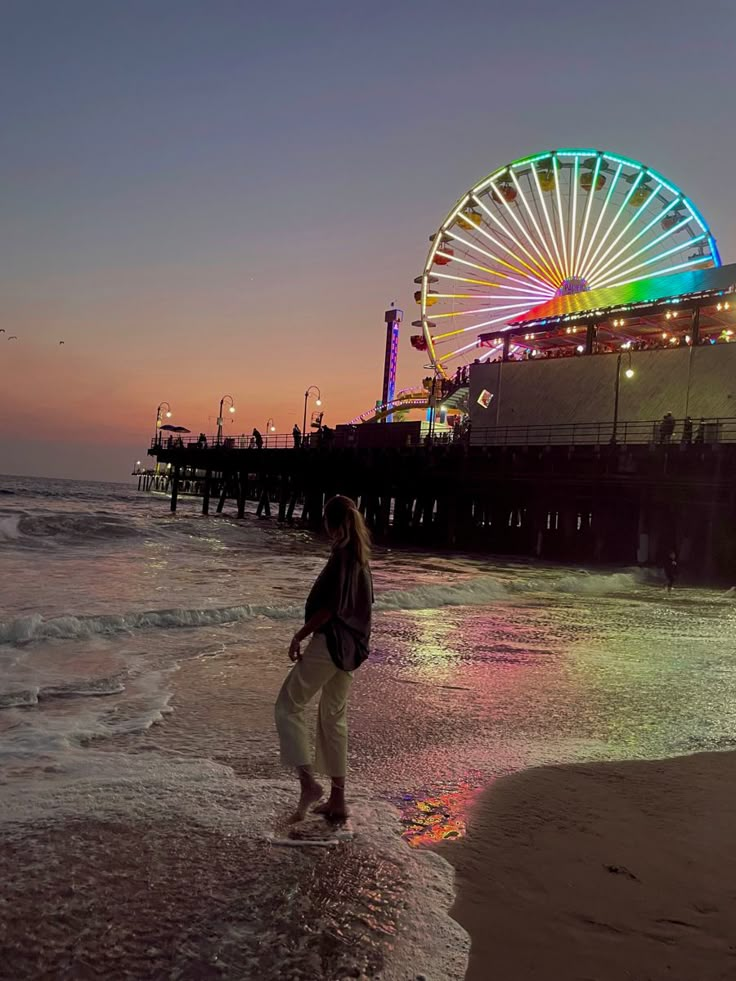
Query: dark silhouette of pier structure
[[593, 501]]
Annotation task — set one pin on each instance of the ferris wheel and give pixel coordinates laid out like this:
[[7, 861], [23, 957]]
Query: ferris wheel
[[549, 225]]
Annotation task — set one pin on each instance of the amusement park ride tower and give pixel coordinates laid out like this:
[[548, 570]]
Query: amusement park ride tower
[[393, 318]]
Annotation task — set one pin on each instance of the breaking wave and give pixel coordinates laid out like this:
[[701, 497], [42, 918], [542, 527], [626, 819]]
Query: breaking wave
[[478, 591], [32, 695], [36, 627], [66, 527]]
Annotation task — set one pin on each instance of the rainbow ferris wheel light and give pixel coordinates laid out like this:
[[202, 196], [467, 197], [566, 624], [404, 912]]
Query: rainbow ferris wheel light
[[556, 223]]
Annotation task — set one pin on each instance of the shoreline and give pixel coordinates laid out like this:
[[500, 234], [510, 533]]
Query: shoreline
[[602, 872]]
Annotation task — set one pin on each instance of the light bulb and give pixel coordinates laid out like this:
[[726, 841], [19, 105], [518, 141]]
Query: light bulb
[[273, 429], [168, 415], [629, 372], [319, 402], [231, 409]]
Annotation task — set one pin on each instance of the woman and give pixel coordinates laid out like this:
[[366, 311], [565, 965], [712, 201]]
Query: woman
[[338, 617]]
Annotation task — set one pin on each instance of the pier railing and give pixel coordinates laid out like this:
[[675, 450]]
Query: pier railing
[[273, 441], [600, 433], [706, 431]]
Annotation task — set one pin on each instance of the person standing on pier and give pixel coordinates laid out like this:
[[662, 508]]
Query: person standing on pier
[[257, 439], [297, 434], [338, 617]]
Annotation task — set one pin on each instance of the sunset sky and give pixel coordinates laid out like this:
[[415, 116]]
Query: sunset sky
[[224, 197]]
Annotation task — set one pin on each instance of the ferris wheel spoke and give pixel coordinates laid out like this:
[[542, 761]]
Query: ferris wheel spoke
[[657, 258], [645, 248], [658, 217], [510, 213], [478, 296], [574, 208], [586, 218], [553, 237], [630, 223], [452, 314], [535, 291], [439, 338], [621, 209], [460, 350], [479, 282], [507, 231], [529, 274], [602, 212], [660, 272], [556, 168], [554, 270]]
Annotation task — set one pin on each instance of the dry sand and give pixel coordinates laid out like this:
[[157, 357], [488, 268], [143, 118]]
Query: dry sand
[[603, 872]]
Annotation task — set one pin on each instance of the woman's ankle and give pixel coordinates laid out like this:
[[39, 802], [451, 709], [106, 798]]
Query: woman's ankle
[[306, 777]]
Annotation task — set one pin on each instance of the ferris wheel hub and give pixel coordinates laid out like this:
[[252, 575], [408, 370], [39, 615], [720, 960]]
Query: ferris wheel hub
[[573, 284]]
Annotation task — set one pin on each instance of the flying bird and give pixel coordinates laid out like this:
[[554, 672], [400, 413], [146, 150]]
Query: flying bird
[[13, 337], [2, 330], [61, 342]]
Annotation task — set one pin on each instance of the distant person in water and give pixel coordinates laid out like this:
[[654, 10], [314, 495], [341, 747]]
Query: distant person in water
[[670, 570], [338, 618]]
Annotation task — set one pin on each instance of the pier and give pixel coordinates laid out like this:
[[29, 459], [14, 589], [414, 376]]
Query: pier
[[592, 501]]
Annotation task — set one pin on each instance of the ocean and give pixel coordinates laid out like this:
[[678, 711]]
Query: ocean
[[140, 654]]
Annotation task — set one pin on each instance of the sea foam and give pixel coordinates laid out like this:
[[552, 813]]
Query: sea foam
[[473, 591]]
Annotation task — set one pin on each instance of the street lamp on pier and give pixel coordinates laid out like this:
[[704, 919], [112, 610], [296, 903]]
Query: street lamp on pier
[[166, 409], [270, 427], [231, 408], [629, 372], [318, 402]]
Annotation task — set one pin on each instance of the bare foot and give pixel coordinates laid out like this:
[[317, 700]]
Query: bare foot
[[334, 810], [311, 792]]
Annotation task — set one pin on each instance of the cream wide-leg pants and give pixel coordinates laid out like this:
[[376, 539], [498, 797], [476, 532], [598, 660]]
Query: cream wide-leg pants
[[315, 672]]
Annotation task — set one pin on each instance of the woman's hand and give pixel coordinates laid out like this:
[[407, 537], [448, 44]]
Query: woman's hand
[[295, 653]]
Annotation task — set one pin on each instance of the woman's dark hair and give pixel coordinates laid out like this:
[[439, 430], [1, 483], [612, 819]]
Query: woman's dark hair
[[345, 524]]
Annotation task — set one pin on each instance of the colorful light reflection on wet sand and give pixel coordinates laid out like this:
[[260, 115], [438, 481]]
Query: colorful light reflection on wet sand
[[439, 816]]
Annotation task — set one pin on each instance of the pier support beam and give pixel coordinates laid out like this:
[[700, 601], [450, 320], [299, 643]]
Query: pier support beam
[[242, 488], [174, 490], [206, 495], [264, 504]]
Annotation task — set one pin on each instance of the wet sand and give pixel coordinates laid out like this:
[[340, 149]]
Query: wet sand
[[173, 878], [603, 872], [164, 897]]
